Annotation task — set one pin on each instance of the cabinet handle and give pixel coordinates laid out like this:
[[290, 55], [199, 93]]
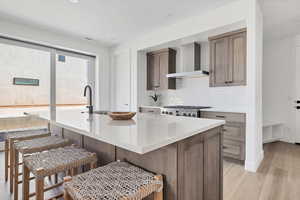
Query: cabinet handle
[[150, 111], [225, 147], [220, 116]]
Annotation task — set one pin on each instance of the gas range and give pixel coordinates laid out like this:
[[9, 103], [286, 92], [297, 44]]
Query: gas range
[[179, 110]]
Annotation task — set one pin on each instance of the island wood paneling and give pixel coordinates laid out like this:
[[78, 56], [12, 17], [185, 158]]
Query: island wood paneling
[[213, 169], [199, 166], [162, 161], [190, 168], [105, 152], [75, 138]]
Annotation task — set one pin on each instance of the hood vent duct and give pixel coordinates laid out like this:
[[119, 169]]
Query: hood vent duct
[[191, 58]]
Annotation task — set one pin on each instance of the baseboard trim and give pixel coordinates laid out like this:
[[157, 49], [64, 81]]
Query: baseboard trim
[[287, 140], [252, 166]]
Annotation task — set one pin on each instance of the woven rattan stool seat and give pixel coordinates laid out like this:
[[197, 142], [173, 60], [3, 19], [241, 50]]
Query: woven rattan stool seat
[[57, 160], [41, 144], [25, 134], [115, 181]]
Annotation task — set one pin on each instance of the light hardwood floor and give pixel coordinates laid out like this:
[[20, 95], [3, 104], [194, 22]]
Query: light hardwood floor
[[278, 177]]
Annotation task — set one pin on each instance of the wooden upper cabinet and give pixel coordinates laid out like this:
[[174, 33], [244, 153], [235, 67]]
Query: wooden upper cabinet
[[228, 59], [219, 61], [159, 64], [153, 71], [237, 59]]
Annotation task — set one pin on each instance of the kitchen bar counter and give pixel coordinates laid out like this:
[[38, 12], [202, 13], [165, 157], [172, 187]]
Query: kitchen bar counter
[[186, 151], [142, 134]]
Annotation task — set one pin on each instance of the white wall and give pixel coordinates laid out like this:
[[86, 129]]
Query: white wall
[[34, 34], [279, 84], [247, 11]]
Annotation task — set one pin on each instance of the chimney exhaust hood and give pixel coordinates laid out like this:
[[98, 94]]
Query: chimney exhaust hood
[[191, 57]]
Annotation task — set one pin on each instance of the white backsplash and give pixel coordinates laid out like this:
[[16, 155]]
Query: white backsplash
[[196, 91]]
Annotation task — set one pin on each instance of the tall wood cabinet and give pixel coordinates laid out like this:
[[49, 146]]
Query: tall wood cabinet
[[159, 64], [228, 59]]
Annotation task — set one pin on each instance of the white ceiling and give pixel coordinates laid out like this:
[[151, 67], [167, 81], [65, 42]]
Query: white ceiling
[[109, 22], [281, 18]]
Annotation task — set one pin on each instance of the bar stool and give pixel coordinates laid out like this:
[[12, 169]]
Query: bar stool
[[52, 162], [10, 137], [115, 181], [33, 146]]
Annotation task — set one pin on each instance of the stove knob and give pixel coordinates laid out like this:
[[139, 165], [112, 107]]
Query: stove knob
[[189, 114], [184, 114], [167, 112], [170, 113], [163, 112], [193, 115], [177, 114]]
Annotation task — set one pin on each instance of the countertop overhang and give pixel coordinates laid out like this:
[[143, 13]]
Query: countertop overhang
[[144, 133]]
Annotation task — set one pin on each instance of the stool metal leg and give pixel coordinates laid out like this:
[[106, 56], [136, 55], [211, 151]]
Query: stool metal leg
[[11, 164], [25, 185], [16, 173], [6, 149]]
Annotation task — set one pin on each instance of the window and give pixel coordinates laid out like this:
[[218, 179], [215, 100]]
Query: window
[[42, 78]]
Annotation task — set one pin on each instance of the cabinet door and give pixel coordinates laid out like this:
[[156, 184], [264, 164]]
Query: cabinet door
[[234, 131], [234, 149], [191, 167], [164, 69], [218, 62], [237, 59], [153, 71]]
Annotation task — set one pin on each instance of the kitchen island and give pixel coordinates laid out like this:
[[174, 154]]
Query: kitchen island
[[186, 151]]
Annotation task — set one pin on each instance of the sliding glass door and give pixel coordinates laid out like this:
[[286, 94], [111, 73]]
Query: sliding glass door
[[35, 77], [73, 73], [25, 80]]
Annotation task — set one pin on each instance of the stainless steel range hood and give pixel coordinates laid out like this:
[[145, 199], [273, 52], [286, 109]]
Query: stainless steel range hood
[[191, 56], [194, 74]]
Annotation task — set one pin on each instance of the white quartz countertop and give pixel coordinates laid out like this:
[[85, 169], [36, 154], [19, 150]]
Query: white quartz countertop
[[142, 134]]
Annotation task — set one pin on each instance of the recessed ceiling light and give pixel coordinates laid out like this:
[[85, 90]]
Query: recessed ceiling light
[[74, 1]]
